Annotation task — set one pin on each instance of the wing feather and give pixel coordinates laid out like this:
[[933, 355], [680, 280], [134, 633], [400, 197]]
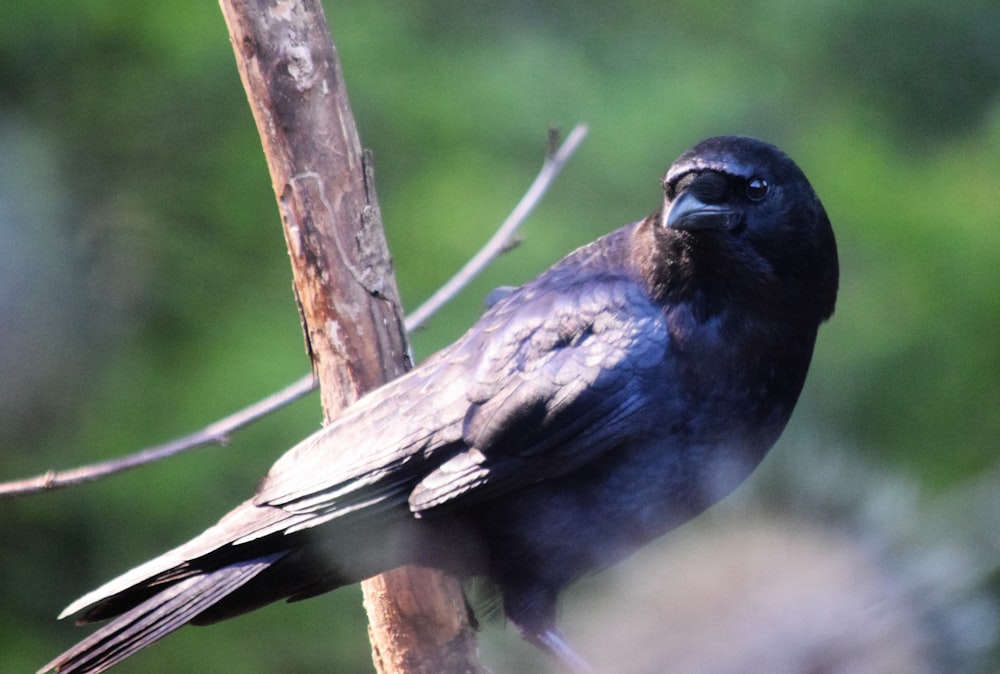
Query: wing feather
[[566, 392], [552, 375]]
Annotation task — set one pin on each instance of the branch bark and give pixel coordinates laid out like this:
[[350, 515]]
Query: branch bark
[[343, 282]]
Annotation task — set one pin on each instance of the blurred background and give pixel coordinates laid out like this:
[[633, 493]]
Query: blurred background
[[145, 291]]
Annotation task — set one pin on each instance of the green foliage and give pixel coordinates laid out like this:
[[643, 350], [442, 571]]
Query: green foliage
[[144, 287]]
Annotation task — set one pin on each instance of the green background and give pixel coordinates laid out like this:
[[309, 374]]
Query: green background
[[145, 288]]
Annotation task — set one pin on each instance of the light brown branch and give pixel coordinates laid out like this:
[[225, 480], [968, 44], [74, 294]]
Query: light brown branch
[[343, 281]]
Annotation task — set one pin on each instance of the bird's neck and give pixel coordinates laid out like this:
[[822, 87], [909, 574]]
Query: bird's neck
[[704, 301], [700, 271]]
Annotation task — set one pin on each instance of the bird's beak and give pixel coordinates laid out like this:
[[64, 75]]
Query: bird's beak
[[688, 212]]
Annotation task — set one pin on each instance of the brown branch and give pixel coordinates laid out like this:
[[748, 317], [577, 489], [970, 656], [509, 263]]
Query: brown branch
[[343, 282]]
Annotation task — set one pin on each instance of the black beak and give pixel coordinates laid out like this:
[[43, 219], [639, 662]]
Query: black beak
[[688, 212]]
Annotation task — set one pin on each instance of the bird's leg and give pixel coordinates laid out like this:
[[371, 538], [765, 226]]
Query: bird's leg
[[530, 606], [553, 642]]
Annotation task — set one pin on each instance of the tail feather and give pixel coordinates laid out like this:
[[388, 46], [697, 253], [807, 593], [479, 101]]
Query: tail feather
[[155, 618], [131, 588]]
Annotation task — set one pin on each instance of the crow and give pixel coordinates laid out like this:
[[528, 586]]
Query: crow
[[617, 395]]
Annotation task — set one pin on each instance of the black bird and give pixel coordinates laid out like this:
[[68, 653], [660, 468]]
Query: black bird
[[617, 395]]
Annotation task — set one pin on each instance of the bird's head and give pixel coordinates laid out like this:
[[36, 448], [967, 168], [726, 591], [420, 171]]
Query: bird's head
[[741, 202]]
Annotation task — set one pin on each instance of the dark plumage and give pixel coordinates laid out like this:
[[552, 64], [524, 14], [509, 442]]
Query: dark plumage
[[614, 397]]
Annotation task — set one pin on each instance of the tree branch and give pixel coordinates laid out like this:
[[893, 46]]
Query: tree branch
[[216, 433], [343, 282], [500, 241]]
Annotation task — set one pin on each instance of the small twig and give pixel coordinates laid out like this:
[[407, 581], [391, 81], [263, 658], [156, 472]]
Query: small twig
[[219, 431], [500, 241]]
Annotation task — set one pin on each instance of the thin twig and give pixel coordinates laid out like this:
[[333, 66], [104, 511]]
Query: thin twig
[[501, 239], [218, 432]]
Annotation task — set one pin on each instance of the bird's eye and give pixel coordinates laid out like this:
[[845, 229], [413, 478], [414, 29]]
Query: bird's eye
[[757, 189]]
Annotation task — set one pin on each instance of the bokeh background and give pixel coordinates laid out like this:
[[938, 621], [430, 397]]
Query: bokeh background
[[145, 291]]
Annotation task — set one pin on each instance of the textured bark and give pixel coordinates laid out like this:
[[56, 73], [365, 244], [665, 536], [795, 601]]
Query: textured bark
[[343, 281]]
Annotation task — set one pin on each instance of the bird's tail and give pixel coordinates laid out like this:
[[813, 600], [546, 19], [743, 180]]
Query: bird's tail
[[156, 617]]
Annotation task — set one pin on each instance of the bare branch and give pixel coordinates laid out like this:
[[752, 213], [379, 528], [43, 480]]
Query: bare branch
[[218, 432], [344, 283], [500, 241]]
